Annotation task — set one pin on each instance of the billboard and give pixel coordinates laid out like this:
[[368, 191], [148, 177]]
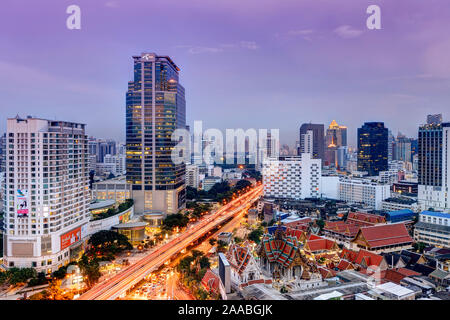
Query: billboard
[[70, 238], [22, 203]]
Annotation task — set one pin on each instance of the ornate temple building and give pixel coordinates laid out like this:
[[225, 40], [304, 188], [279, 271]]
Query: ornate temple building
[[244, 268], [281, 257]]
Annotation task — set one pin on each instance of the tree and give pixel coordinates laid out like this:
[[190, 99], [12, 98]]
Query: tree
[[60, 273], [242, 184], [419, 246], [212, 241], [15, 276], [256, 235], [191, 193], [196, 254], [175, 220], [90, 269], [53, 292], [204, 262], [185, 265], [109, 242], [39, 280], [237, 240], [320, 223]]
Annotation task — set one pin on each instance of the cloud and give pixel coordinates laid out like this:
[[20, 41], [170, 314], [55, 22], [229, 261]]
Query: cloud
[[251, 45], [112, 4], [347, 32]]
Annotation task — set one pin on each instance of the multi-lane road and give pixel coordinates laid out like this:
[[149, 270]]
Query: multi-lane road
[[124, 280]]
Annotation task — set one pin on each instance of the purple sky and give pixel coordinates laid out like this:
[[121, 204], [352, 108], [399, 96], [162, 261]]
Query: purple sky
[[244, 63]]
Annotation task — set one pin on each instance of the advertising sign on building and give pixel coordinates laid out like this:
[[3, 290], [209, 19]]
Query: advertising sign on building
[[22, 203], [70, 238]]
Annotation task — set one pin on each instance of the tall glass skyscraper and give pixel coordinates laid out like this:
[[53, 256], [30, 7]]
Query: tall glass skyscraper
[[373, 148], [155, 107]]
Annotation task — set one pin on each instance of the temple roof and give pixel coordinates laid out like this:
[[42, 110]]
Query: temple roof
[[385, 235]]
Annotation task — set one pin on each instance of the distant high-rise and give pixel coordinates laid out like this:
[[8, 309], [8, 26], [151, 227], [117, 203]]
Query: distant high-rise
[[434, 169], [318, 138], [47, 204], [155, 107], [373, 148], [434, 119], [403, 149], [307, 141], [335, 138]]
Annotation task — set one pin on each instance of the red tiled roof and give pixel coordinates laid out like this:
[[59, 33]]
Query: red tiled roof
[[345, 265], [408, 272], [211, 281], [303, 223], [347, 229], [396, 275], [294, 232], [326, 273], [386, 234], [348, 254], [314, 237], [320, 245], [368, 258], [365, 219]]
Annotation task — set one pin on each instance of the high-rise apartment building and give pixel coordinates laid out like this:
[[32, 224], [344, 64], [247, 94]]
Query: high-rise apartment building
[[192, 176], [373, 148], [292, 177], [155, 108], [307, 142], [318, 139], [434, 167], [46, 193]]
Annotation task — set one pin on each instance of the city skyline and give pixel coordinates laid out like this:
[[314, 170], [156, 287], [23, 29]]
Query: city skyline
[[327, 59]]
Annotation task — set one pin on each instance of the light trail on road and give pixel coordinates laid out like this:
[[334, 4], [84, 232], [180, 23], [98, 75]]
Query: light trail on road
[[124, 280]]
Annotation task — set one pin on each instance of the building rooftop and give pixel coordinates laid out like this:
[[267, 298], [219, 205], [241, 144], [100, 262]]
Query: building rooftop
[[130, 225], [101, 204], [436, 214]]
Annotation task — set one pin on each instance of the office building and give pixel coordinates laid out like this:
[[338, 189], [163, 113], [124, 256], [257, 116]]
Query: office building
[[403, 149], [209, 182], [363, 191], [307, 142], [155, 108], [373, 148], [341, 158], [318, 139], [433, 229], [292, 177], [192, 176], [434, 169], [117, 162], [46, 193], [336, 135]]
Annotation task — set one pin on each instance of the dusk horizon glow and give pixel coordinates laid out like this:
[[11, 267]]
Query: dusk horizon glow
[[253, 64]]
